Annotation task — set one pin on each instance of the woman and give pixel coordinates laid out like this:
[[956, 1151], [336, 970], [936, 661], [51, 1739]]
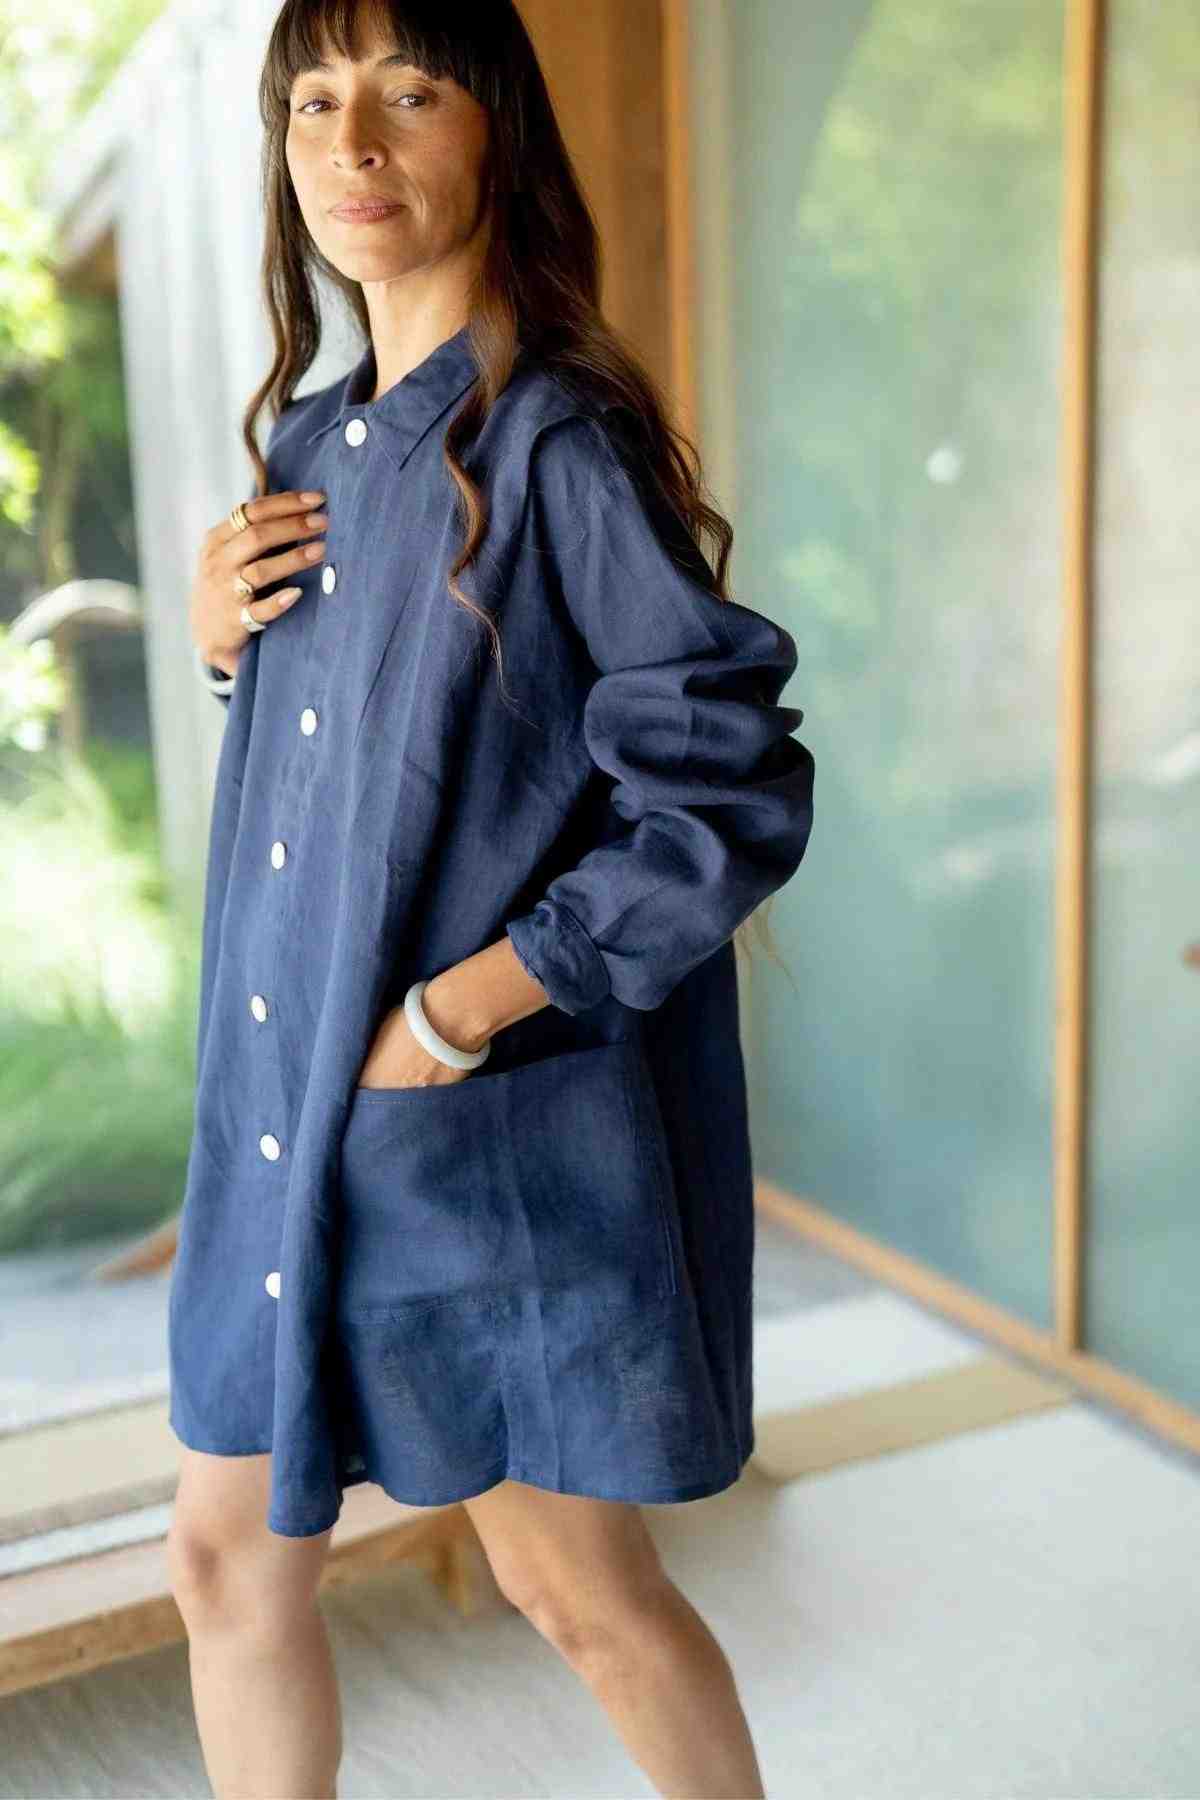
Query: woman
[[468, 1209]]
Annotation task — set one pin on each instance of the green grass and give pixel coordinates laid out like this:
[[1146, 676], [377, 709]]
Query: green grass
[[98, 1002]]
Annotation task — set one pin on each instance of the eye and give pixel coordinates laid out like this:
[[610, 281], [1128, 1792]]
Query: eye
[[317, 100]]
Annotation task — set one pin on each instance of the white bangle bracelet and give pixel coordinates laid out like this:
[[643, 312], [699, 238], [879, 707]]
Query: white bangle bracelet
[[223, 686], [436, 1045]]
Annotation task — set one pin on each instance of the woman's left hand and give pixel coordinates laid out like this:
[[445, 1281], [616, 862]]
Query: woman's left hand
[[396, 1059]]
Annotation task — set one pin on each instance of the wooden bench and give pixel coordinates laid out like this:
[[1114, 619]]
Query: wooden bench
[[73, 1615]]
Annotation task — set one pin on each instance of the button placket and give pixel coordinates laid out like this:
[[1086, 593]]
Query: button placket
[[268, 1143], [321, 656], [323, 649]]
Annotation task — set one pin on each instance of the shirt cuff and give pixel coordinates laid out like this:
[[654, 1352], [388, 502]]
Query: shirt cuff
[[553, 947], [213, 678]]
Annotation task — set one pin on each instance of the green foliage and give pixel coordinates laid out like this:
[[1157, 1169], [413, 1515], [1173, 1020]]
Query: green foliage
[[126, 773], [98, 1003], [30, 314], [32, 692], [18, 480], [95, 1122], [98, 979], [61, 405], [57, 57]]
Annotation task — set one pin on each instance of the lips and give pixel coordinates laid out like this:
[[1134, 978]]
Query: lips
[[365, 209]]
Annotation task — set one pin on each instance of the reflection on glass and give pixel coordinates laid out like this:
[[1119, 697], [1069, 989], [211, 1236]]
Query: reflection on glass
[[895, 338]]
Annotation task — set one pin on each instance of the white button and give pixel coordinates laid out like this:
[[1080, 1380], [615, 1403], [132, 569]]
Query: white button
[[308, 721], [278, 853], [258, 1007], [356, 431], [329, 578], [272, 1284], [269, 1146]]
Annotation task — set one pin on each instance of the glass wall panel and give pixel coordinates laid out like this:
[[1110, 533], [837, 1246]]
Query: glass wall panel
[[885, 230], [1143, 1247]]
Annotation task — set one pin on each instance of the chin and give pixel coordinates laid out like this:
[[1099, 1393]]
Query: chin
[[375, 265]]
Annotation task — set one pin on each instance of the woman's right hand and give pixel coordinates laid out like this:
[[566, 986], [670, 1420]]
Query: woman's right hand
[[215, 604]]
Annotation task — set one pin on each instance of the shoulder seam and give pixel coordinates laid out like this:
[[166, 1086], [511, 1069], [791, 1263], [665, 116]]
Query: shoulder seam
[[595, 418]]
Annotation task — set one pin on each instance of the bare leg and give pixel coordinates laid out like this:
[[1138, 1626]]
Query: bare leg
[[264, 1686], [587, 1575]]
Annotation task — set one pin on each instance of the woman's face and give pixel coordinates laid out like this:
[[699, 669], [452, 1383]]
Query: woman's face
[[364, 128]]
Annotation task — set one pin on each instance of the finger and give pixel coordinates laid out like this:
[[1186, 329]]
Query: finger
[[263, 570], [263, 611], [290, 528], [267, 507], [245, 552]]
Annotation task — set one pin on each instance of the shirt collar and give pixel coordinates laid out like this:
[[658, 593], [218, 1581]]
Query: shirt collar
[[403, 414]]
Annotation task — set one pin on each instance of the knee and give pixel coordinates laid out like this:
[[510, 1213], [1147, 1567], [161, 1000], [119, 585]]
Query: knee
[[212, 1579], [590, 1624]]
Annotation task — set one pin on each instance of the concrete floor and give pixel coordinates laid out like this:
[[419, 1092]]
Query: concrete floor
[[1013, 1612]]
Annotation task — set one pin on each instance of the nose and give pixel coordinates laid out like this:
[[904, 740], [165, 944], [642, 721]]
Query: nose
[[355, 140], [352, 151]]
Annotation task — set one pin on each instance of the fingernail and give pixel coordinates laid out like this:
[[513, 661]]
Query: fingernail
[[312, 499], [288, 595]]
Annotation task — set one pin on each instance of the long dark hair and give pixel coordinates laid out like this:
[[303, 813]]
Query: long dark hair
[[539, 285]]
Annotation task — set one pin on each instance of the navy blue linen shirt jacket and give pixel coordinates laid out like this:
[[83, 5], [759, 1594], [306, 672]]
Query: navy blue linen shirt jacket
[[541, 1271]]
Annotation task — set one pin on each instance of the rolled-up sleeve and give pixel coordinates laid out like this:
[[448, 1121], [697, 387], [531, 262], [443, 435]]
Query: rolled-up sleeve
[[684, 718]]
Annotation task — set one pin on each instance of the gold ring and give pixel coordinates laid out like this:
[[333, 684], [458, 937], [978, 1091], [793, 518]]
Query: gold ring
[[242, 588], [238, 519]]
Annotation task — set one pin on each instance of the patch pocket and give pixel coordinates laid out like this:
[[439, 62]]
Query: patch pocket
[[590, 1172], [423, 1172]]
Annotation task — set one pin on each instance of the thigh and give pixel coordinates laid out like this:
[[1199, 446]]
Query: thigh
[[219, 1525], [555, 1551]]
